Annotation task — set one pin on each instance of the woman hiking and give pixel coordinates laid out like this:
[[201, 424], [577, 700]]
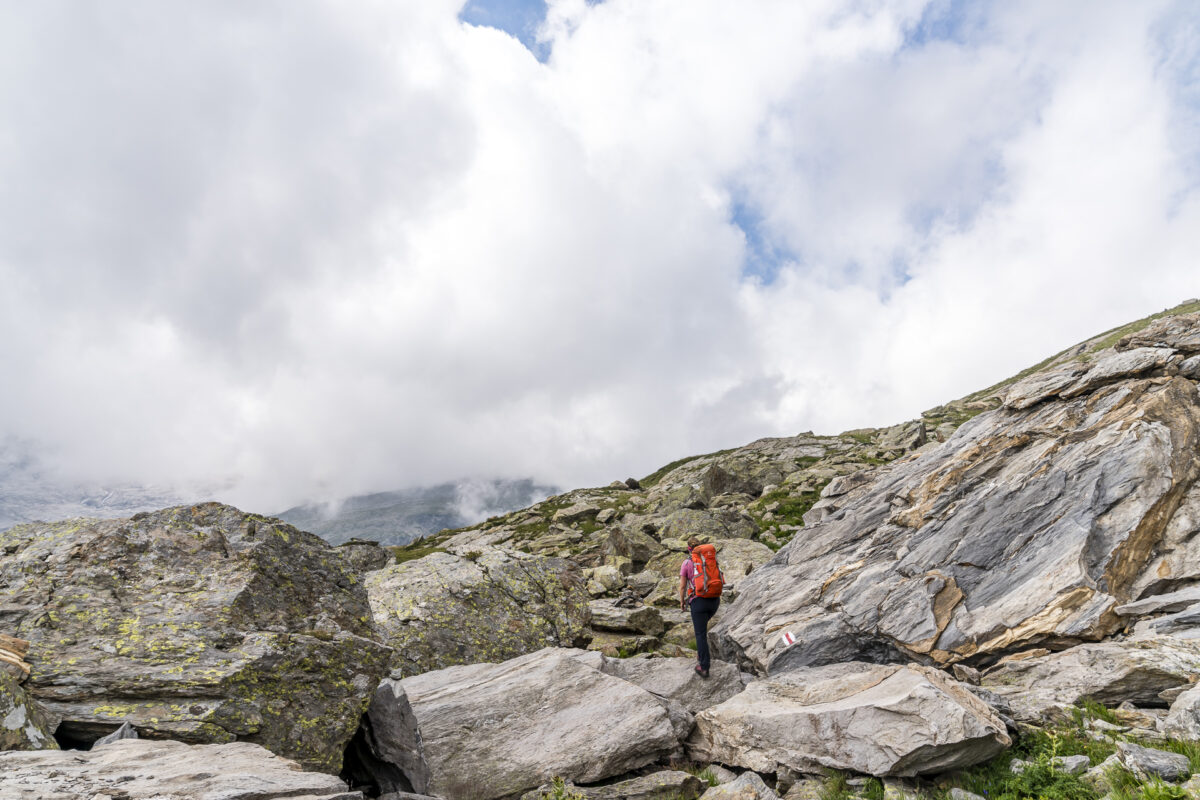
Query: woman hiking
[[700, 584]]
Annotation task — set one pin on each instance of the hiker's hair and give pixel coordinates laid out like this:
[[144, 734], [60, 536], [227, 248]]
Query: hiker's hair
[[693, 542]]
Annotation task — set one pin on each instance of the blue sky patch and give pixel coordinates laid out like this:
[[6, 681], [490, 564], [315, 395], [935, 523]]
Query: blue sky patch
[[764, 257], [518, 18], [955, 21]]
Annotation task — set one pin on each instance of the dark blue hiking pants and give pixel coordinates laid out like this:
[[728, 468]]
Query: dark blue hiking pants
[[703, 609]]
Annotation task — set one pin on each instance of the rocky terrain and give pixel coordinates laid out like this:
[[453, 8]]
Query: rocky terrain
[[1001, 599]]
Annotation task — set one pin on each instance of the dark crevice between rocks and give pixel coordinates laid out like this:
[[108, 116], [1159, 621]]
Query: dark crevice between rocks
[[70, 738], [363, 770]]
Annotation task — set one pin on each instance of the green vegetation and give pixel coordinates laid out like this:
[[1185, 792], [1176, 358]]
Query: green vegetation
[[790, 511], [836, 787], [702, 771], [861, 435], [1090, 709], [421, 547], [1042, 779], [872, 789], [559, 790]]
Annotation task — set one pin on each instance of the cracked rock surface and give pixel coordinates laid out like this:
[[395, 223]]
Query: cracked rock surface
[[198, 623]]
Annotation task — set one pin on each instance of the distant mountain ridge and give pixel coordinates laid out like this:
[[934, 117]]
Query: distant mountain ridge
[[400, 517], [29, 492]]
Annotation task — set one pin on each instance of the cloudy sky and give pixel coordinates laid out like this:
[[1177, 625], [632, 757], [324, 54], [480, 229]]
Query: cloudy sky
[[310, 249]]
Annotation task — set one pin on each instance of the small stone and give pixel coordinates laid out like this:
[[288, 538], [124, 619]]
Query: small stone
[[1150, 762], [1072, 765], [606, 516], [609, 577], [963, 794], [126, 731], [1107, 727], [966, 674]]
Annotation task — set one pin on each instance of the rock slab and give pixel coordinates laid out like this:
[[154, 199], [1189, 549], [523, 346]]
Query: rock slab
[[675, 683], [1025, 527], [138, 769], [875, 719], [1135, 670], [519, 723]]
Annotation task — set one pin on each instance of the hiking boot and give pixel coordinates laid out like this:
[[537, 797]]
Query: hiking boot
[[701, 671]]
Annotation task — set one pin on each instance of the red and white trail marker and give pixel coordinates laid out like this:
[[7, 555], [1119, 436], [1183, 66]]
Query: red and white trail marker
[[788, 639]]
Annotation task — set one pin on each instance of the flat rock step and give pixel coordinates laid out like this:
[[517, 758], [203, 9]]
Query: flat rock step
[[139, 769]]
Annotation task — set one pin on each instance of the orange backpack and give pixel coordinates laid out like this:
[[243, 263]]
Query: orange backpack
[[707, 580]]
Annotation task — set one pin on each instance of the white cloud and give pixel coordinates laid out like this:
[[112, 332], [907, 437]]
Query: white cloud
[[315, 249]]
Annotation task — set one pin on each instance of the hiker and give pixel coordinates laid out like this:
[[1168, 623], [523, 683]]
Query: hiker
[[700, 584]]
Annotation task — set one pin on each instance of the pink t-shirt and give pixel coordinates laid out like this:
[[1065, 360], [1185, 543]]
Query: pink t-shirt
[[687, 570]]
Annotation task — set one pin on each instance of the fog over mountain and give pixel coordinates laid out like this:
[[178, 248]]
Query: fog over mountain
[[30, 491], [399, 517]]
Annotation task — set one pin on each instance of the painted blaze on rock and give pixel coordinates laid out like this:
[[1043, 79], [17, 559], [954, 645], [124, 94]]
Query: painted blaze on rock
[[488, 605], [198, 623]]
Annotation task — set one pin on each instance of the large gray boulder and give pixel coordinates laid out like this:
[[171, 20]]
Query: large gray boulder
[[675, 683], [139, 769], [198, 623], [1136, 671], [875, 719], [1026, 526], [24, 723], [488, 730], [486, 605]]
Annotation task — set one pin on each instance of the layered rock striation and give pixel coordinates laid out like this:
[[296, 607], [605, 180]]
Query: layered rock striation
[[1034, 524]]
